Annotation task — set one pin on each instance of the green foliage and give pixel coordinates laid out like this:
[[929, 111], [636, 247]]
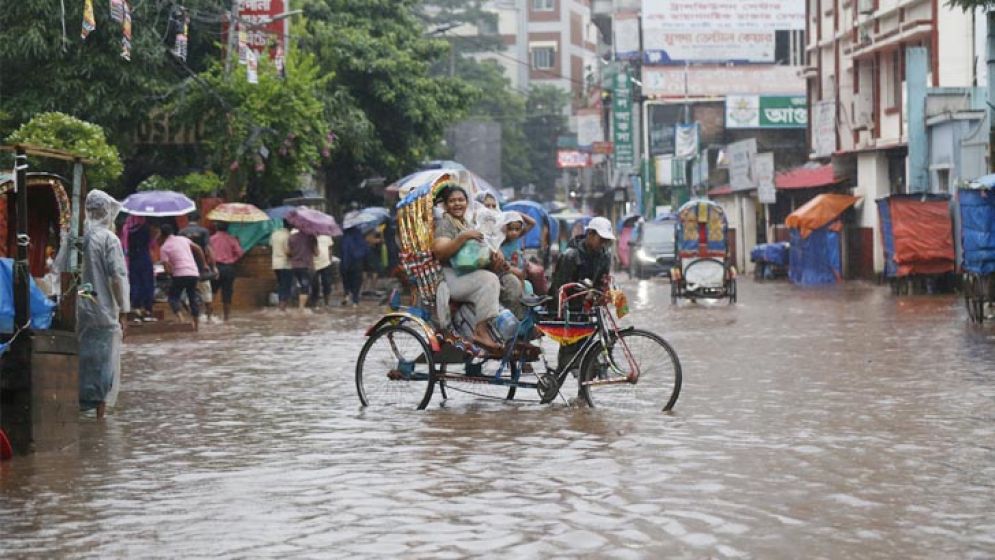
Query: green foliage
[[388, 112], [194, 185], [60, 131], [971, 4], [86, 78], [545, 122], [440, 16], [261, 137]]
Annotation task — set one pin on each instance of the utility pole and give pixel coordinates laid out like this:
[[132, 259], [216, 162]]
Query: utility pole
[[232, 35]]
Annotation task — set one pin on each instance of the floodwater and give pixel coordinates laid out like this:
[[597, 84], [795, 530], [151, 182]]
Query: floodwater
[[833, 423]]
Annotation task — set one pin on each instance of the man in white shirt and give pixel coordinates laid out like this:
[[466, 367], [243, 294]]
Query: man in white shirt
[[279, 240], [326, 272]]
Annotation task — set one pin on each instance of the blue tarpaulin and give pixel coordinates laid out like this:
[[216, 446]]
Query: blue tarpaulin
[[42, 308], [887, 238], [772, 253], [977, 218], [815, 259]]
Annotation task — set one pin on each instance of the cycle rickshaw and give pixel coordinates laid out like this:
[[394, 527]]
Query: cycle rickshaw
[[704, 268], [410, 351], [977, 238]]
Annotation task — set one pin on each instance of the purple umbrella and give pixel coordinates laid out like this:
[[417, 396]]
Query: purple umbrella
[[313, 222], [158, 203]]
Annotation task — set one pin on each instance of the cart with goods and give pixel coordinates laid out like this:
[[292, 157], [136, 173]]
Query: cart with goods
[[917, 238], [977, 238]]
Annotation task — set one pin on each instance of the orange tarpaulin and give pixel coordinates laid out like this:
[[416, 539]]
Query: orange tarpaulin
[[923, 240], [819, 211]]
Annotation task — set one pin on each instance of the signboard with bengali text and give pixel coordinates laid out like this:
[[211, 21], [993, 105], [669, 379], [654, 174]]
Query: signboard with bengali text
[[623, 127], [766, 111], [572, 159], [678, 31]]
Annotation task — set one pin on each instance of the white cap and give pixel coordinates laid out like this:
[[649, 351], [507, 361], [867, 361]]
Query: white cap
[[602, 227], [511, 217]]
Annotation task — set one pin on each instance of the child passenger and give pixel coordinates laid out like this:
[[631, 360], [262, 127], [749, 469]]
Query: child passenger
[[513, 282]]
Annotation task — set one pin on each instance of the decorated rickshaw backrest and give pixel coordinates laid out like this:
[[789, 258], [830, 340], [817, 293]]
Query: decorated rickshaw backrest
[[48, 203], [701, 218]]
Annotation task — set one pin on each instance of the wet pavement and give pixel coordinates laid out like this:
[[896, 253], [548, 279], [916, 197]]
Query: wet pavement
[[831, 423]]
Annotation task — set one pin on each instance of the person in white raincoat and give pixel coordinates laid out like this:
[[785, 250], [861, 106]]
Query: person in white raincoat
[[102, 305]]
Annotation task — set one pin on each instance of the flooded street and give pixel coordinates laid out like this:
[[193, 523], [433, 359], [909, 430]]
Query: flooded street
[[812, 423]]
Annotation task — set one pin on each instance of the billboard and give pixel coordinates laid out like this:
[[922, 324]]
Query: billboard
[[258, 30], [766, 111], [677, 31], [570, 159], [625, 29], [717, 80]]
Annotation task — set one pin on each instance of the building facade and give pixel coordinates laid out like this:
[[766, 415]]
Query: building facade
[[871, 65]]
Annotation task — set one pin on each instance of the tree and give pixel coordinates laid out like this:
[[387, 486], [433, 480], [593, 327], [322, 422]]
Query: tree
[[86, 78], [63, 132], [261, 137], [545, 122], [441, 17], [387, 112], [505, 106], [971, 4]]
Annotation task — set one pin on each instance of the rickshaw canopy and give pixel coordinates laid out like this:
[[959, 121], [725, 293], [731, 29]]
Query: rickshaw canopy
[[694, 214]]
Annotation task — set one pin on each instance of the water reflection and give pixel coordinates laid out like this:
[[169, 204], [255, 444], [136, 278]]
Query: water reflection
[[826, 423]]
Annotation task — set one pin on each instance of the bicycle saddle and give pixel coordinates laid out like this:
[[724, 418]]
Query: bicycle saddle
[[534, 300]]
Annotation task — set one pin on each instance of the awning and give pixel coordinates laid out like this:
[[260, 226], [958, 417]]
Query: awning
[[724, 190], [819, 211], [807, 178]]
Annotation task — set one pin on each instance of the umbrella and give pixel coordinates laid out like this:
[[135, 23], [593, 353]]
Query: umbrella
[[313, 222], [237, 212], [158, 204], [279, 212], [366, 219], [419, 179]]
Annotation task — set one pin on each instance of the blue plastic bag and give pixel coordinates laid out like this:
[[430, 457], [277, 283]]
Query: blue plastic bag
[[42, 308]]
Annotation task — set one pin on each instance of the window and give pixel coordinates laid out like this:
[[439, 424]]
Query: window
[[543, 58], [789, 48], [543, 5]]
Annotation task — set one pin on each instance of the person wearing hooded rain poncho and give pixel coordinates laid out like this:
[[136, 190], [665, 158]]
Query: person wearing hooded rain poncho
[[101, 308]]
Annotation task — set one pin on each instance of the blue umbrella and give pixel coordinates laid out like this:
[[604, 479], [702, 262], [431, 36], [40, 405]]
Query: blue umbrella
[[626, 219], [366, 219], [279, 212]]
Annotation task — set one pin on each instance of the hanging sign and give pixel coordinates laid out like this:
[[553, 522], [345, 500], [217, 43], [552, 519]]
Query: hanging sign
[[622, 125], [763, 171], [89, 24], [126, 32]]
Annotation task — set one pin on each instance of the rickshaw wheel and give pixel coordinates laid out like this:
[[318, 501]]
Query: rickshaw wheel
[[395, 369], [659, 382], [732, 291], [973, 298], [674, 289], [511, 390]]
